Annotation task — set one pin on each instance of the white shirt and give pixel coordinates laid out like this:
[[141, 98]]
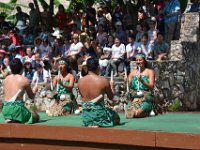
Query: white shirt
[[41, 77], [74, 47], [152, 34], [131, 49], [145, 49], [117, 52]]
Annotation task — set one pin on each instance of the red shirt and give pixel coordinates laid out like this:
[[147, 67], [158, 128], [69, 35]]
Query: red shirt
[[61, 19]]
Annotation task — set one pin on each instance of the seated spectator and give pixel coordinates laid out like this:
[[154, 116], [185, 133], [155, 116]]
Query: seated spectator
[[139, 33], [36, 60], [41, 75], [29, 54], [120, 33], [2, 55], [66, 46], [75, 51], [152, 32], [131, 47], [15, 54], [160, 48], [89, 50], [27, 37], [45, 49], [37, 44], [28, 70], [16, 40], [101, 35], [57, 48], [145, 47], [106, 55], [4, 65], [118, 51], [131, 50]]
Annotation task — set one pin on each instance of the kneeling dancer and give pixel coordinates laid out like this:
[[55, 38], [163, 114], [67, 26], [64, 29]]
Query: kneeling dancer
[[92, 88], [141, 81], [15, 85]]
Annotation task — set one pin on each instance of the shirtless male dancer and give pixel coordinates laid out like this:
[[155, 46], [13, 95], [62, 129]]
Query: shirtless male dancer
[[92, 88], [15, 85]]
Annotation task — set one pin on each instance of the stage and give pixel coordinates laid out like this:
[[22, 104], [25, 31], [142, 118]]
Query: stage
[[167, 131]]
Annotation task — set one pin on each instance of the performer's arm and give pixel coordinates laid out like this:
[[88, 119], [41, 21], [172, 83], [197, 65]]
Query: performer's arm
[[149, 85]]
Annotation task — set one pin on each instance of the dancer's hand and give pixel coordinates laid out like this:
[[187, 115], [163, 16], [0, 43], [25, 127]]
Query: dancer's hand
[[35, 89], [139, 77]]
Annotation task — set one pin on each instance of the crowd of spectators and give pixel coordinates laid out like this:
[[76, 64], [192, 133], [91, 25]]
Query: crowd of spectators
[[105, 32]]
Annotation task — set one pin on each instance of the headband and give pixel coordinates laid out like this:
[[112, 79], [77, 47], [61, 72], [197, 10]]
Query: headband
[[141, 55], [61, 62]]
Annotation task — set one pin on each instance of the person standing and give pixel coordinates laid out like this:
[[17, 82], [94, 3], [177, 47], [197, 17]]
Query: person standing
[[34, 19], [21, 18], [172, 11]]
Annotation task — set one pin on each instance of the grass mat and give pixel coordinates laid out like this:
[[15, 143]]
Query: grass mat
[[169, 122]]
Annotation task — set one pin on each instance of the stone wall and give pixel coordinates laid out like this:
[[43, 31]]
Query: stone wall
[[179, 78]]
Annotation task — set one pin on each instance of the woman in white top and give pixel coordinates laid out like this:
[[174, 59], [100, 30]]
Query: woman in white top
[[45, 49], [118, 51], [74, 51], [152, 32], [145, 47], [40, 76]]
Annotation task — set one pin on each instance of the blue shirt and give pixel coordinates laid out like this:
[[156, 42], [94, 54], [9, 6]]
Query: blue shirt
[[172, 7]]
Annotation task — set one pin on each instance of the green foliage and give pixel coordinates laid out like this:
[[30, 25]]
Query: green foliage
[[175, 106], [13, 1], [56, 3], [6, 6]]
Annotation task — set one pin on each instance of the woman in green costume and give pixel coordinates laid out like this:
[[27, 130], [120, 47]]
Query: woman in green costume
[[141, 81], [64, 82]]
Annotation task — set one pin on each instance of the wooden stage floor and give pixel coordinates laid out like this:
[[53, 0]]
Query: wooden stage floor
[[167, 131]]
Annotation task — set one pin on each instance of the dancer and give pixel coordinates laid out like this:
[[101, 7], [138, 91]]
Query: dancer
[[141, 81], [92, 88], [64, 83], [14, 110]]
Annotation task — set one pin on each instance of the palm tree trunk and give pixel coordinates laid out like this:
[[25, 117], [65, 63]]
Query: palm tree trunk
[[50, 15]]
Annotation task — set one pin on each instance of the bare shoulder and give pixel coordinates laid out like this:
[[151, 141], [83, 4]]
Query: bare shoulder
[[81, 80], [103, 79], [71, 75], [133, 72], [150, 71], [23, 80]]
